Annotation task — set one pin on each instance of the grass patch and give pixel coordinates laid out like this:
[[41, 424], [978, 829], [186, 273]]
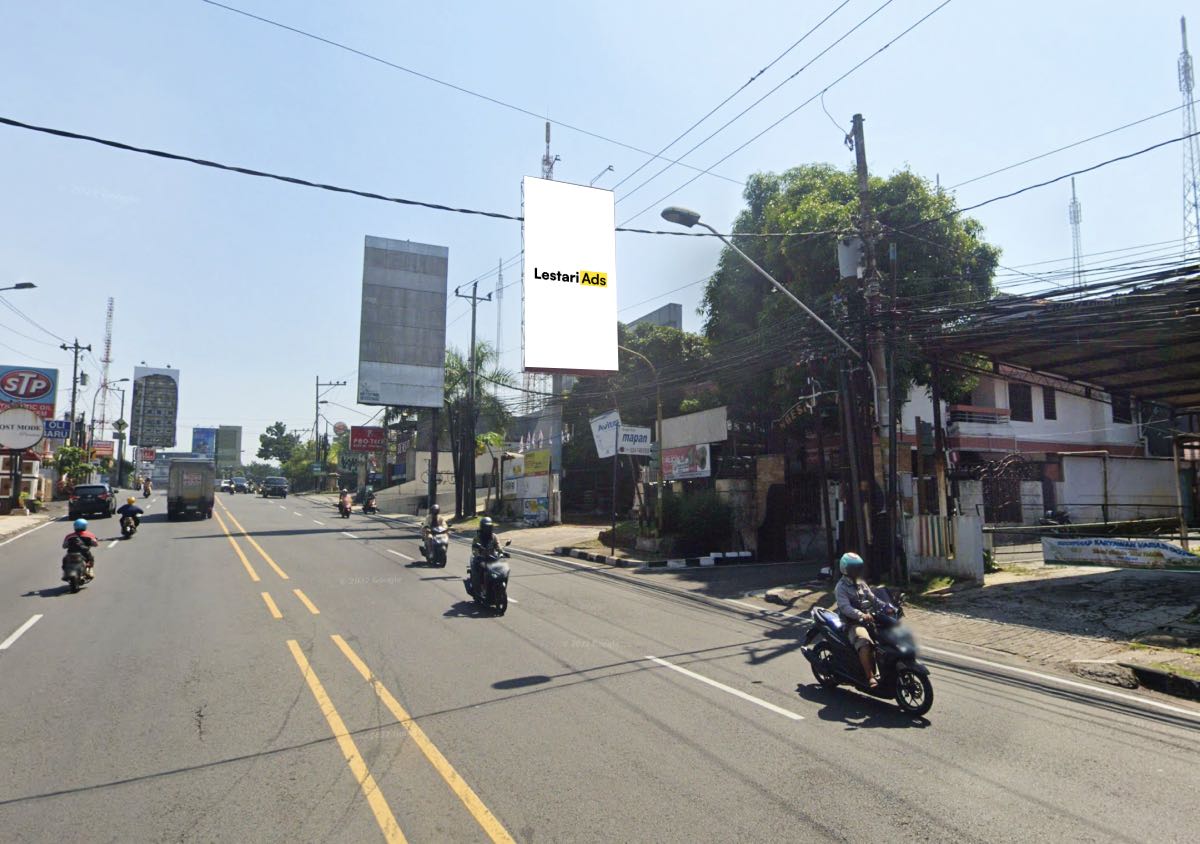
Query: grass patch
[[935, 583], [1171, 668]]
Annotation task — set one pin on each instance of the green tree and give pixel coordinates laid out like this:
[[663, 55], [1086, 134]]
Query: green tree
[[460, 425], [277, 444], [298, 467], [943, 261], [72, 464]]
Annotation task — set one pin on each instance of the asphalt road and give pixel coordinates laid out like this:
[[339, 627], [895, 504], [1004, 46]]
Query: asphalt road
[[305, 679]]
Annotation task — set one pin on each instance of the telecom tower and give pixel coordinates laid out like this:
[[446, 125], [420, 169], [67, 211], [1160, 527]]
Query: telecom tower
[[105, 361], [1191, 150], [537, 384], [1075, 215]]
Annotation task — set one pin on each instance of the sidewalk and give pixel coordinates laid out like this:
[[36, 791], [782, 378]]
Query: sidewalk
[[11, 526]]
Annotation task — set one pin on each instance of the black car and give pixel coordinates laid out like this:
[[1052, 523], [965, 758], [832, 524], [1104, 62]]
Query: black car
[[274, 486], [92, 500]]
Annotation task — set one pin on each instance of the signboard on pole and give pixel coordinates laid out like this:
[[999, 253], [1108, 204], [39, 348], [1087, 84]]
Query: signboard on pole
[[367, 438], [635, 441], [56, 429], [570, 279], [689, 461], [604, 432], [204, 442], [402, 332], [102, 448], [20, 428], [29, 387], [148, 455]]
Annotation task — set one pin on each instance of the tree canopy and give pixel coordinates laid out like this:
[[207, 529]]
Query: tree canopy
[[277, 444]]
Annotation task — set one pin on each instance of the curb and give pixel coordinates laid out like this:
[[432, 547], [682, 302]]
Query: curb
[[1164, 681], [715, 559]]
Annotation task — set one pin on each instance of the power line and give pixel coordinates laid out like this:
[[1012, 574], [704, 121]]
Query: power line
[[30, 319], [752, 105], [741, 88], [462, 90], [741, 147]]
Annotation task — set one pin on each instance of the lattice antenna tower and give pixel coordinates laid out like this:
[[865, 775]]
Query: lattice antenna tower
[[104, 362], [1191, 150], [1075, 215], [536, 383]]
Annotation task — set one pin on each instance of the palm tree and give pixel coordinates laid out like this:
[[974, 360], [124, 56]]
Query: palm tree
[[461, 421]]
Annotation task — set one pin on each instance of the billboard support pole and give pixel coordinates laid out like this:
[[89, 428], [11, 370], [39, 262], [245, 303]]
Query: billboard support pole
[[121, 443], [433, 458], [612, 541]]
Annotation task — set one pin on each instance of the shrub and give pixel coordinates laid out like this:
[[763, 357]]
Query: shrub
[[705, 523]]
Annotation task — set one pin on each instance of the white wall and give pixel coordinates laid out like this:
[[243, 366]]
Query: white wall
[[1138, 487], [706, 426]]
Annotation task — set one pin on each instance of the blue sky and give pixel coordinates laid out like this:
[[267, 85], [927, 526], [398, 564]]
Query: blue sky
[[251, 287]]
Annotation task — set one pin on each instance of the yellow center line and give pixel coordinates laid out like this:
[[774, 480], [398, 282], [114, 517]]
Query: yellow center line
[[358, 767], [250, 539], [249, 568], [275, 613], [312, 608], [490, 824]]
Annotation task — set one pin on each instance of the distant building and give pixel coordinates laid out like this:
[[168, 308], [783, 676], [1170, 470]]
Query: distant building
[[670, 315]]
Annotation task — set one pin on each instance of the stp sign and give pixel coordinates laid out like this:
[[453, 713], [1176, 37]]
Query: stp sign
[[29, 387]]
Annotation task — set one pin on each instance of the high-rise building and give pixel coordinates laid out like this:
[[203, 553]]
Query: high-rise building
[[155, 407], [670, 315]]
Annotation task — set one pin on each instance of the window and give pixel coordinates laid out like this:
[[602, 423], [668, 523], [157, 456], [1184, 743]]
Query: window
[[1049, 403], [1020, 402], [1122, 409]]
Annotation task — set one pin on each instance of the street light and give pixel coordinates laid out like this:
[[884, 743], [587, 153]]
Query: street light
[[104, 385], [658, 513], [688, 218], [20, 285]]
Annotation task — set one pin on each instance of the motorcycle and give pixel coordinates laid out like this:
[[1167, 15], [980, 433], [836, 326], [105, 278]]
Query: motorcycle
[[344, 508], [369, 505], [1054, 517], [834, 661], [487, 581], [75, 570], [129, 526], [145, 492], [436, 543]]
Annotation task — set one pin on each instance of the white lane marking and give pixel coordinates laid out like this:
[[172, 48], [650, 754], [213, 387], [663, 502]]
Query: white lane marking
[[787, 713], [398, 554], [1097, 690], [282, 507], [114, 542], [352, 536], [17, 633], [297, 513], [513, 601], [315, 522], [26, 533]]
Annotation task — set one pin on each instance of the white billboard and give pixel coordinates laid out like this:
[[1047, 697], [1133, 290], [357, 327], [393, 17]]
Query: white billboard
[[402, 333], [635, 441], [569, 289], [604, 432]]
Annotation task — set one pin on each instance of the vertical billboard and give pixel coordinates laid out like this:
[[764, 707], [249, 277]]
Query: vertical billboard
[[29, 387], [204, 442], [402, 332], [229, 446], [155, 406], [569, 290]]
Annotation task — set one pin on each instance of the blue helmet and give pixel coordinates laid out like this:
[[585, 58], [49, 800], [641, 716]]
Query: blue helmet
[[81, 524], [850, 560]]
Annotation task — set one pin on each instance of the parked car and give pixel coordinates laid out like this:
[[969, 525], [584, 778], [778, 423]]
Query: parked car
[[274, 487], [92, 500]]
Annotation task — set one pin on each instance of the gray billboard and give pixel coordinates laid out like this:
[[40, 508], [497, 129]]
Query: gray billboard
[[229, 447], [402, 334], [155, 407]]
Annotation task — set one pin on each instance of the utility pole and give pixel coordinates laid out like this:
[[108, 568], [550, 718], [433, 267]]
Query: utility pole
[[893, 492], [466, 466], [317, 415], [871, 291], [75, 349]]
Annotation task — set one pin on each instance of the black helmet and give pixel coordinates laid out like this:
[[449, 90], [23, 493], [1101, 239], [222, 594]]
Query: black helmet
[[486, 526], [434, 509]]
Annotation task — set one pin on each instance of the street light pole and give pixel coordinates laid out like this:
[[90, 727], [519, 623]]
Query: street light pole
[[21, 285], [121, 442], [658, 512]]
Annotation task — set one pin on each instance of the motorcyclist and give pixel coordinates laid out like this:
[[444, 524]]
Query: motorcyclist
[[344, 499], [130, 508], [147, 487], [857, 605], [81, 541], [435, 521], [485, 545]]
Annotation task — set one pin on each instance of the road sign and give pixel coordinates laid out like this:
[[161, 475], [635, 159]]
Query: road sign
[[56, 429], [316, 469], [102, 448], [120, 425], [118, 436], [340, 428], [20, 428]]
